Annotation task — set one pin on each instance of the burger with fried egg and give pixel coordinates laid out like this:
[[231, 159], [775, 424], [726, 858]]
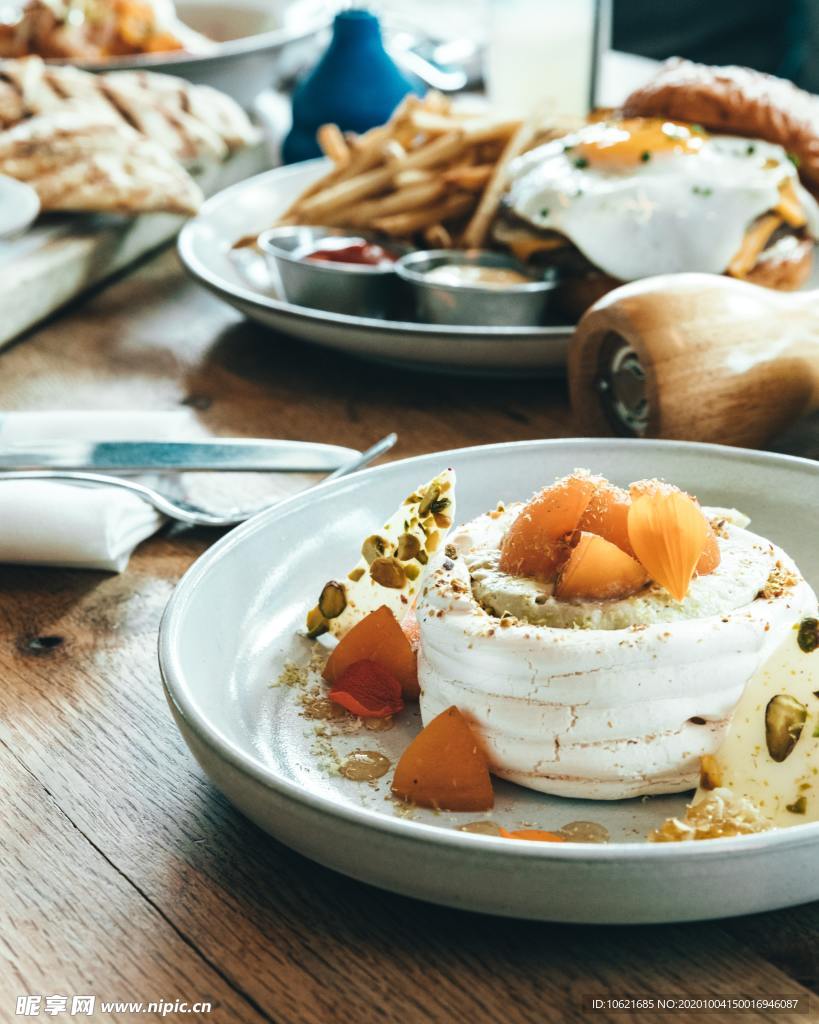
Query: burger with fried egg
[[634, 196]]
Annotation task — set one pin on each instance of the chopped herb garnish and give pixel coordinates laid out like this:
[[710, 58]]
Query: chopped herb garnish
[[645, 156], [701, 190], [698, 128], [581, 162], [567, 148], [751, 149], [544, 211], [794, 159]]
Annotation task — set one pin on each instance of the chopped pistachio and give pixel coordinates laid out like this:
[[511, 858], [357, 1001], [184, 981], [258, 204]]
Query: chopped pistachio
[[784, 721], [375, 547], [799, 806], [333, 600], [808, 635], [388, 572], [316, 623], [408, 547]]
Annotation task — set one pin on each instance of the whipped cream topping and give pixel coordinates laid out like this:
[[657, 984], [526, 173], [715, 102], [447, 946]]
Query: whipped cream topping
[[602, 713]]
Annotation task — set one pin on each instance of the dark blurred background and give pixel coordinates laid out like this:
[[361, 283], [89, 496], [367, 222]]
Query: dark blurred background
[[778, 36]]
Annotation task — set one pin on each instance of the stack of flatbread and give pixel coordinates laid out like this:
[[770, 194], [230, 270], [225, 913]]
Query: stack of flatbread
[[119, 142]]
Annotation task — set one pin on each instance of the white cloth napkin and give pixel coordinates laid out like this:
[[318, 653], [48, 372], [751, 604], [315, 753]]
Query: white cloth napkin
[[74, 526]]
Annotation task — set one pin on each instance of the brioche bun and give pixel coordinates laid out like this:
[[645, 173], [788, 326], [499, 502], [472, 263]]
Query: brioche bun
[[735, 101]]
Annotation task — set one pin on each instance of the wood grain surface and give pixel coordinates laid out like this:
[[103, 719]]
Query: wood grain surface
[[124, 873]]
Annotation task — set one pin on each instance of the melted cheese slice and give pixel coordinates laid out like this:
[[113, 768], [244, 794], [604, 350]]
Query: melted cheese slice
[[770, 754], [392, 563]]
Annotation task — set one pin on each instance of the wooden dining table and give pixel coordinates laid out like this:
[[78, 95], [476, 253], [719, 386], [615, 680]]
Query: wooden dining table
[[124, 874]]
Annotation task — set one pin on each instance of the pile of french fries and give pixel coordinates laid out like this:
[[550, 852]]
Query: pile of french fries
[[430, 175]]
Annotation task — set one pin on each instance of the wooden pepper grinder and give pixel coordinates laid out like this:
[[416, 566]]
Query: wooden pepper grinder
[[695, 357]]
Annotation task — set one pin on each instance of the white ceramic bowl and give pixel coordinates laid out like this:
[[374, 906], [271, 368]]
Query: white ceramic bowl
[[231, 625]]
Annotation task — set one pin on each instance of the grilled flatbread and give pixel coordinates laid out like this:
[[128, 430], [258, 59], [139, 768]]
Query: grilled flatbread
[[193, 122], [112, 142], [78, 161]]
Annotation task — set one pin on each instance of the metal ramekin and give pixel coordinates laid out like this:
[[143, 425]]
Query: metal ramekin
[[524, 305], [354, 289]]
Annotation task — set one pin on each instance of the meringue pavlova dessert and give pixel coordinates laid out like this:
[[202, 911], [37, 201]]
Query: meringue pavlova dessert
[[598, 640]]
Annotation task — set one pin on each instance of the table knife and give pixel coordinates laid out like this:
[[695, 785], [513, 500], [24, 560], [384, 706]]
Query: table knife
[[221, 454]]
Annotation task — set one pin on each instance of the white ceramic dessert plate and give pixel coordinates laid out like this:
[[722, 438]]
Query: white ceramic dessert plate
[[233, 624], [242, 279]]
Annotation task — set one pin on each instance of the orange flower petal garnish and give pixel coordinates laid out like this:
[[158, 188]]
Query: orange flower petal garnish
[[367, 690], [598, 570], [711, 556], [535, 835], [668, 532]]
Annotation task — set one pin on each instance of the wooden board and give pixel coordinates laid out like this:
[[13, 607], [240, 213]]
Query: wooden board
[[63, 255]]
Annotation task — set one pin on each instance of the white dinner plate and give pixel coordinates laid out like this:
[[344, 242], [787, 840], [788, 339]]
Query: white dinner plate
[[242, 279], [257, 43], [232, 624]]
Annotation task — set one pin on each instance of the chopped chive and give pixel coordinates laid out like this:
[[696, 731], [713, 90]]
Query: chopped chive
[[645, 156], [698, 128], [794, 159], [544, 211], [581, 162], [701, 190], [751, 149]]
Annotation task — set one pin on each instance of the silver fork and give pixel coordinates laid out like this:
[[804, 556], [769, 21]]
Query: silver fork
[[184, 511]]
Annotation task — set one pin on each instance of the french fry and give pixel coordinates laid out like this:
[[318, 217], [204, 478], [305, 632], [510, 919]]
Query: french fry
[[364, 155], [477, 129], [473, 179], [437, 102], [399, 201], [436, 236], [345, 192], [414, 176], [394, 153], [431, 172], [433, 122], [333, 144], [476, 231], [403, 225], [436, 152]]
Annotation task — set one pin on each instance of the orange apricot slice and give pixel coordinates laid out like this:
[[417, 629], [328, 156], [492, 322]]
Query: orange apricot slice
[[710, 557], [539, 541], [607, 515], [444, 767], [536, 835], [668, 533], [598, 570], [377, 637]]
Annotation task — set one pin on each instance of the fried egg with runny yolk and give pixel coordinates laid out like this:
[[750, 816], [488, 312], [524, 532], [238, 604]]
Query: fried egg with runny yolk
[[648, 196]]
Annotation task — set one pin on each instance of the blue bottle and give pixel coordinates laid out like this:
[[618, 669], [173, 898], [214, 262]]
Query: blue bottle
[[355, 85]]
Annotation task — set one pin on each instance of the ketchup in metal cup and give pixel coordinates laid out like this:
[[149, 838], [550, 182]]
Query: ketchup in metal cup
[[352, 250]]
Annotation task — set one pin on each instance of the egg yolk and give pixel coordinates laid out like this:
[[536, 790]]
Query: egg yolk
[[629, 143]]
